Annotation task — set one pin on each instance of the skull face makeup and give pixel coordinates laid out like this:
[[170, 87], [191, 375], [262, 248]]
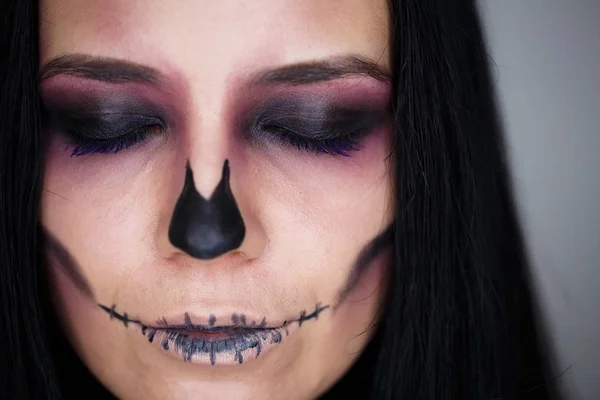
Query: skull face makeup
[[206, 228], [225, 226]]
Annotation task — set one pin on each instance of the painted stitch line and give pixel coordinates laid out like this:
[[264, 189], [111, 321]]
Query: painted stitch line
[[240, 336]]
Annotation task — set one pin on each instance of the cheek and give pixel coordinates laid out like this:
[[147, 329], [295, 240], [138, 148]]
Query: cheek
[[358, 310], [324, 209], [97, 207], [95, 344], [337, 192], [336, 183]]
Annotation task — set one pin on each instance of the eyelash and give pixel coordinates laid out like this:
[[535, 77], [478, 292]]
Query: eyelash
[[339, 146], [83, 146]]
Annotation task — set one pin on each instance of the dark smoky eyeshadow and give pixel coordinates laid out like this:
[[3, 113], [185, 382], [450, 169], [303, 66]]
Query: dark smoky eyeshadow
[[100, 120], [316, 120]]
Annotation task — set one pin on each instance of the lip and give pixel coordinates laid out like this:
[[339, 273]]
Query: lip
[[210, 344], [229, 346]]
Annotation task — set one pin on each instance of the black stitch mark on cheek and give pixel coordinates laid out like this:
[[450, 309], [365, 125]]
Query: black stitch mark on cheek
[[240, 339], [302, 318], [316, 308]]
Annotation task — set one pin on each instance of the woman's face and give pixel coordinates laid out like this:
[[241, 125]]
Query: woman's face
[[217, 190]]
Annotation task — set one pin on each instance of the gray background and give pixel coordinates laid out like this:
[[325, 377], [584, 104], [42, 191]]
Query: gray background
[[547, 73]]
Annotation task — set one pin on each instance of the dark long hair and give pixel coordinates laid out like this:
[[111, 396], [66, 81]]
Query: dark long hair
[[460, 321]]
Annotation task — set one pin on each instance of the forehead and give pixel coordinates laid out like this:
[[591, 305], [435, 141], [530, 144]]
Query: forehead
[[215, 42]]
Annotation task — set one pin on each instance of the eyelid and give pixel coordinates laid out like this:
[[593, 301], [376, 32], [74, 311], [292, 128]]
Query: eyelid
[[83, 145], [327, 131], [102, 126], [289, 125], [351, 123], [115, 125]]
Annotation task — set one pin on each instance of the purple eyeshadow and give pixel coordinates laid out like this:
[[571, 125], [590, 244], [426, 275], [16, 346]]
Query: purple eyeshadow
[[101, 126]]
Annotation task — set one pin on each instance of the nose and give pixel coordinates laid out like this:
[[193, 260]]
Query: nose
[[206, 228]]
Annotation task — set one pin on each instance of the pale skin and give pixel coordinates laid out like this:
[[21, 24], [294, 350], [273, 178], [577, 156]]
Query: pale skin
[[308, 216]]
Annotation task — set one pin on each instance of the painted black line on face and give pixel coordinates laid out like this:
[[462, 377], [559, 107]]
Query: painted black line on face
[[204, 228], [366, 256], [239, 336], [61, 257]]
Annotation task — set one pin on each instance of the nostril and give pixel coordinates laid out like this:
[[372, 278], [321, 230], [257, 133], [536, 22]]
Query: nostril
[[208, 241], [206, 228]]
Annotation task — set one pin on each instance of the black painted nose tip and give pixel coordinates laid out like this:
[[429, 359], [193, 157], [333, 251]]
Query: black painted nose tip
[[206, 228]]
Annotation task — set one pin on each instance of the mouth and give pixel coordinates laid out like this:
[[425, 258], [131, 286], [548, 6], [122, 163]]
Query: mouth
[[228, 344]]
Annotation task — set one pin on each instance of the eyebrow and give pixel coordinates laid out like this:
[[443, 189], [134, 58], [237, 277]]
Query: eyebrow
[[112, 70], [323, 70], [102, 69]]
